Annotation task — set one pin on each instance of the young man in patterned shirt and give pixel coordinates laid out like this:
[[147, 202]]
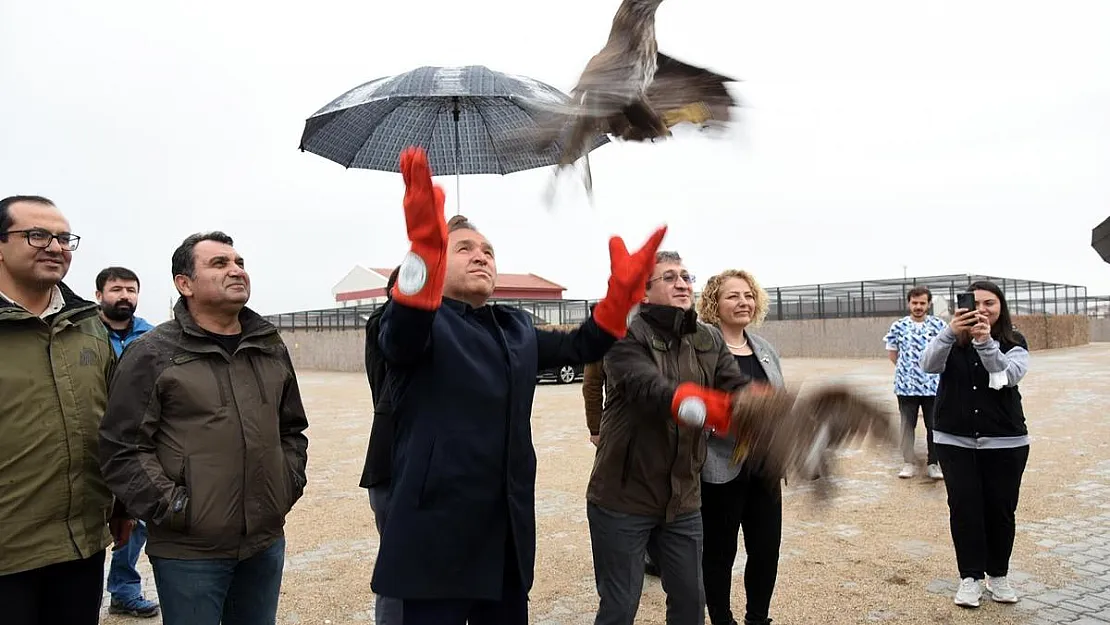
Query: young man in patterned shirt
[[915, 389]]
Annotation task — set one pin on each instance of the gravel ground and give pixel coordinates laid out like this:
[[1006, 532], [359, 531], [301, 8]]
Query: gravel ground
[[881, 553]]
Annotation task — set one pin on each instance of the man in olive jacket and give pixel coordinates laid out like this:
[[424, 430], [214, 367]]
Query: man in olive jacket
[[55, 361], [203, 439], [645, 488]]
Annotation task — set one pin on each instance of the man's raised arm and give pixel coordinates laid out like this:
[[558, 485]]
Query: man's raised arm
[[609, 321], [406, 324]]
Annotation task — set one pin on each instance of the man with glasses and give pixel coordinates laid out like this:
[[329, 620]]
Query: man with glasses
[[645, 488], [54, 370]]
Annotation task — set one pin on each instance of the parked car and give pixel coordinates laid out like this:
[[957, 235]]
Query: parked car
[[563, 375]]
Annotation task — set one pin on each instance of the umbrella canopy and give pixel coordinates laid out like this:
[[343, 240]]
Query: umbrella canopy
[[470, 120], [1100, 239]]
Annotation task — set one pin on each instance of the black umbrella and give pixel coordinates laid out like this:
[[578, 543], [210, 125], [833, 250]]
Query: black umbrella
[[470, 120], [1100, 239]]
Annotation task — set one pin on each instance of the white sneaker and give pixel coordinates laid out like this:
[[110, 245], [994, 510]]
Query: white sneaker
[[1001, 590], [908, 470], [969, 593], [934, 472]]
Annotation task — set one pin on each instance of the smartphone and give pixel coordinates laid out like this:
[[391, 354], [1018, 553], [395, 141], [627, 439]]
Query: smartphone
[[965, 301]]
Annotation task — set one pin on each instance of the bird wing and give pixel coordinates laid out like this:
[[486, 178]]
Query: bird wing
[[683, 92]]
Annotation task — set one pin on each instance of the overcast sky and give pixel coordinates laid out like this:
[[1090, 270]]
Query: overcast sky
[[948, 136]]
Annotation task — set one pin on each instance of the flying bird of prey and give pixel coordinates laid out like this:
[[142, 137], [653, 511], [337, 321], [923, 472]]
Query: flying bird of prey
[[632, 91], [786, 435]]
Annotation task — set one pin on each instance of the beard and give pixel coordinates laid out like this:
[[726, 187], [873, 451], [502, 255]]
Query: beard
[[120, 311]]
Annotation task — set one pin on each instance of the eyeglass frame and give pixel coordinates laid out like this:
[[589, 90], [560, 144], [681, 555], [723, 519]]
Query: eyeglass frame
[[689, 278], [75, 240]]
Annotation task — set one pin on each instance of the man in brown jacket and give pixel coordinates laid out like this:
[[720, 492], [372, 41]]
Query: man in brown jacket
[[203, 439], [645, 487]]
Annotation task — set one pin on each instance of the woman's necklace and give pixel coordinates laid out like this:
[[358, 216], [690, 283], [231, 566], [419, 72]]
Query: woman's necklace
[[740, 346]]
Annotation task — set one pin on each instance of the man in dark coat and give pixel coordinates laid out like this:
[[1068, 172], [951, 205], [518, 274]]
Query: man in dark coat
[[379, 451], [459, 542]]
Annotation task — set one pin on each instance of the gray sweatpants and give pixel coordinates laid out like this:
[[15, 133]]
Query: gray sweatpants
[[620, 542]]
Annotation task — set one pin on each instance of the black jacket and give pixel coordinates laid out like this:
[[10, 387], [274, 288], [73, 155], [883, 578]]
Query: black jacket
[[379, 451], [461, 382], [965, 403]]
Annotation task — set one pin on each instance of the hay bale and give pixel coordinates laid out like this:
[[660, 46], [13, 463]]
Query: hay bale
[[1068, 331]]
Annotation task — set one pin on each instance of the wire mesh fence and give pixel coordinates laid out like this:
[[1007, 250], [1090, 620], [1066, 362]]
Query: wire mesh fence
[[883, 298], [543, 312], [866, 298]]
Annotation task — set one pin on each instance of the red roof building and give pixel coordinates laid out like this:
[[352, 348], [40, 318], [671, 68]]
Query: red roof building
[[363, 286]]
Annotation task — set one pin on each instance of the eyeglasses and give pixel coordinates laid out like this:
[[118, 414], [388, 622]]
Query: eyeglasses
[[37, 237], [670, 277]]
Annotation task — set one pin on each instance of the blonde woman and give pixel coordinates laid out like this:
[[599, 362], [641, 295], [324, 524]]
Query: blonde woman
[[736, 497]]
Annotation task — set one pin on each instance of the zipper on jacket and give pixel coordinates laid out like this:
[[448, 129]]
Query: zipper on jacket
[[69, 455]]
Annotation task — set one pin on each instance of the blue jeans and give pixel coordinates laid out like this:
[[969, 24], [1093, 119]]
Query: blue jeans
[[387, 610], [227, 591], [124, 582]]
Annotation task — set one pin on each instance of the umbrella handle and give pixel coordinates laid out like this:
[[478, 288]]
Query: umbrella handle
[[455, 114]]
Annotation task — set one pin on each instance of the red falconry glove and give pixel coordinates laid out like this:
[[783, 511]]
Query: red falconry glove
[[627, 282], [420, 279], [702, 407]]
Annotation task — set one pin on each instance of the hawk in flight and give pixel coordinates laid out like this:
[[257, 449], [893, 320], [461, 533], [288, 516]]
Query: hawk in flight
[[632, 91]]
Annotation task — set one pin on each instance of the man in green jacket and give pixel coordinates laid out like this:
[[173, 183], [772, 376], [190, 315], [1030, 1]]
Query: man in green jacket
[[56, 360]]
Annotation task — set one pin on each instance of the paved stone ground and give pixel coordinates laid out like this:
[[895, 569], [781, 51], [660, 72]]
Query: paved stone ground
[[881, 553]]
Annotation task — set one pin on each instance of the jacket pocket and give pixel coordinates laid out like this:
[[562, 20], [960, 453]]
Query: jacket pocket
[[215, 494], [626, 465]]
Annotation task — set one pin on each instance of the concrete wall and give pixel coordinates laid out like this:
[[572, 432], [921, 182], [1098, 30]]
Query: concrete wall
[[342, 350], [326, 350], [1100, 330], [862, 337]]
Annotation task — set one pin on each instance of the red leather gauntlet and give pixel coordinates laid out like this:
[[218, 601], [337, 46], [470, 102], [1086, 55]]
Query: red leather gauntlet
[[420, 279], [627, 282], [697, 406]]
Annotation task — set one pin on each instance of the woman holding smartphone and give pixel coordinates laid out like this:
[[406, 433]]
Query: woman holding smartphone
[[980, 436]]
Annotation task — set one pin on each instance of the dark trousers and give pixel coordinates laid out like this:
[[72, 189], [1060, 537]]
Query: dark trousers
[[512, 609], [387, 610], [754, 504], [909, 405], [982, 487], [60, 594], [220, 591], [619, 542]]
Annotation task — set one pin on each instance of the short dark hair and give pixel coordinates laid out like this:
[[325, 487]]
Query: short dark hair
[[1003, 328], [6, 213], [115, 273], [391, 281], [458, 222], [918, 291], [184, 260]]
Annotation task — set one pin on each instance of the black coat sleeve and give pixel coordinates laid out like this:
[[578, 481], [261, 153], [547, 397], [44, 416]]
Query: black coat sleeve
[[585, 344]]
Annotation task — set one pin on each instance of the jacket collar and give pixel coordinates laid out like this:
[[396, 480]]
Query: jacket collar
[[73, 305], [253, 325], [670, 319]]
